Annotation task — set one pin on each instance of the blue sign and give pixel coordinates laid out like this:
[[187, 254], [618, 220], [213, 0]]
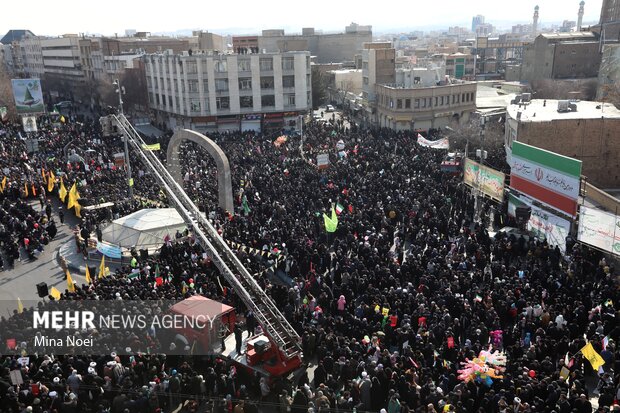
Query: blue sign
[[109, 250]]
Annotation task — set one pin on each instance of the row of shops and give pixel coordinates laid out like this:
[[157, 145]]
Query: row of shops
[[257, 122]]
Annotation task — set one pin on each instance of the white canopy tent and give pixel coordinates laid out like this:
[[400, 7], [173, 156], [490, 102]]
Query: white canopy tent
[[144, 229]]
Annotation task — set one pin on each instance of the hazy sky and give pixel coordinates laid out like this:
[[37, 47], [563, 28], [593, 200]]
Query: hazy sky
[[45, 17]]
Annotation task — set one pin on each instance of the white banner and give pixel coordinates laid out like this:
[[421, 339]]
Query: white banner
[[542, 223], [550, 179], [443, 143], [600, 229]]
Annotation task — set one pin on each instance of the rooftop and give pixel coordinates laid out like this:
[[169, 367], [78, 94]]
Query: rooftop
[[569, 35], [536, 111], [15, 36]]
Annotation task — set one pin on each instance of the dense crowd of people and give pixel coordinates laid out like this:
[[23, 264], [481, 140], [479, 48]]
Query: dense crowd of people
[[388, 306]]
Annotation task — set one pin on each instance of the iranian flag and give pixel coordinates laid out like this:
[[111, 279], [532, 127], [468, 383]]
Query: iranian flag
[[339, 209]]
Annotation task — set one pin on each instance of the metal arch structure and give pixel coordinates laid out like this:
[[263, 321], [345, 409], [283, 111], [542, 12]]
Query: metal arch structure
[[268, 316], [224, 180]]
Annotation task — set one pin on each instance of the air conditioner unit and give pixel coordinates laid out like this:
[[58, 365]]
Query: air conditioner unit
[[563, 106]]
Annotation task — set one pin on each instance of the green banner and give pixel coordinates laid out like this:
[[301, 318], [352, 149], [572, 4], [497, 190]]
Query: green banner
[[485, 179]]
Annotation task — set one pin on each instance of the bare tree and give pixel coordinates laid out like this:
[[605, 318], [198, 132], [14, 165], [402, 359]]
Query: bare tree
[[610, 93], [6, 92], [319, 87], [136, 95]]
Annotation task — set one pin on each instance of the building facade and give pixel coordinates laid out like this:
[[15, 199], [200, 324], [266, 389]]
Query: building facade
[[378, 67], [610, 20], [424, 108], [588, 132], [331, 47], [256, 91], [561, 56]]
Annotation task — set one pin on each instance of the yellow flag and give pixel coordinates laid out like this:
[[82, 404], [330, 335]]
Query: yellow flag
[[43, 175], [62, 119], [34, 190], [26, 189], [70, 283], [73, 196], [20, 306], [88, 279], [50, 182], [593, 357], [3, 185], [102, 267], [78, 208], [62, 192], [55, 293]]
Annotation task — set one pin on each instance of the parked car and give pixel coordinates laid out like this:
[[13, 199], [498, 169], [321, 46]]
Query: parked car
[[329, 108]]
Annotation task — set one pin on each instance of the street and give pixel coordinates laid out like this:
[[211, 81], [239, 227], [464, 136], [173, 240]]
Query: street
[[20, 281]]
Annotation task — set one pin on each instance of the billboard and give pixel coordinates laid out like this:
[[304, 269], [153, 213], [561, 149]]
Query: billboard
[[600, 229], [28, 95], [488, 180], [545, 176], [544, 224]]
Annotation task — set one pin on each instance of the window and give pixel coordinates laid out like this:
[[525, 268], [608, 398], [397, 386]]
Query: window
[[365, 65], [417, 104], [289, 99], [399, 103], [266, 64], [423, 102], [365, 80], [205, 85], [157, 98], [266, 82], [194, 105], [192, 67], [268, 100], [221, 66], [407, 103], [288, 81], [222, 102], [436, 101], [170, 101], [245, 83], [246, 102], [221, 85], [288, 63], [472, 96], [391, 103], [192, 85], [244, 65]]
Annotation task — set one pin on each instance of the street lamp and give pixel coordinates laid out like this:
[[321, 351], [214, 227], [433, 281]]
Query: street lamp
[[121, 91]]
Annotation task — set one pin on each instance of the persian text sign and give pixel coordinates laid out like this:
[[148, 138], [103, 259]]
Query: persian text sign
[[546, 176], [488, 180], [544, 224], [600, 229]]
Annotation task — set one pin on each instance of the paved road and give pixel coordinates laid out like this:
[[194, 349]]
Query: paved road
[[21, 280]]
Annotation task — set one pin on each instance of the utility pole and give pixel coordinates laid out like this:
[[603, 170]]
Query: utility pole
[[481, 155], [121, 90]]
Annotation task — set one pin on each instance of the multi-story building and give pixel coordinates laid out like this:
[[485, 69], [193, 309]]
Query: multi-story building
[[460, 66], [609, 24], [255, 91], [583, 130], [424, 108], [561, 56], [476, 21], [378, 66], [609, 73], [330, 47]]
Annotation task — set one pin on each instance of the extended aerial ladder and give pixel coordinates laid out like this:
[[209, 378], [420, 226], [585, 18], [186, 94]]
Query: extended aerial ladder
[[267, 314]]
